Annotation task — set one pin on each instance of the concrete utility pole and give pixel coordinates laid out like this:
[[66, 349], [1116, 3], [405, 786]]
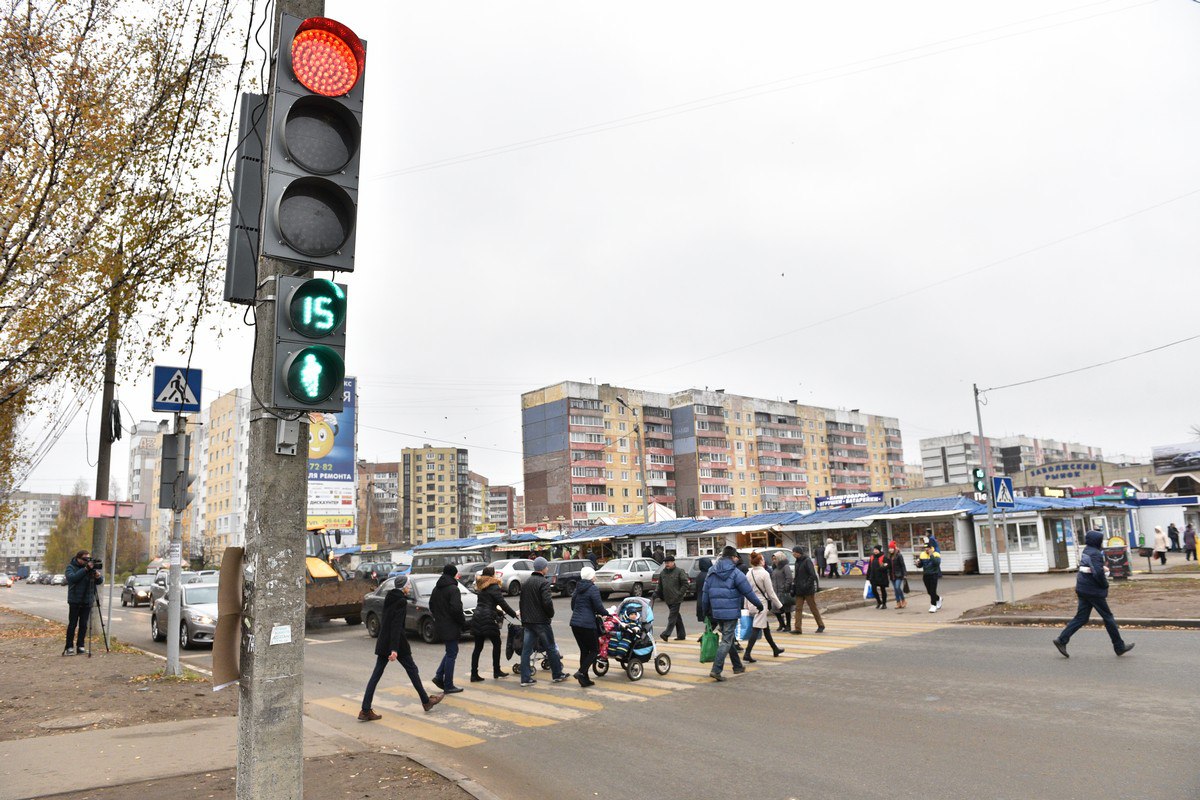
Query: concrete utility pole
[[104, 450], [637, 428], [991, 502], [271, 690]]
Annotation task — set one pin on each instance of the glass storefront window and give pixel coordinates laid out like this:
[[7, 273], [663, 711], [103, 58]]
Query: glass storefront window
[[943, 531]]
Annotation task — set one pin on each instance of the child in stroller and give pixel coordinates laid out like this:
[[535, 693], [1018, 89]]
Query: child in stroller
[[628, 638]]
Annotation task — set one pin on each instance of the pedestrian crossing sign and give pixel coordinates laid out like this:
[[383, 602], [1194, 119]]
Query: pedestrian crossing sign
[[176, 390], [1002, 492]]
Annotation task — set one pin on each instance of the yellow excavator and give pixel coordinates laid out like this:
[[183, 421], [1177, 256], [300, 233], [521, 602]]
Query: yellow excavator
[[328, 594]]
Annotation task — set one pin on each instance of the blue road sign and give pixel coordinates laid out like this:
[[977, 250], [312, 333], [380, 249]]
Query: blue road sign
[[176, 389], [1002, 491]]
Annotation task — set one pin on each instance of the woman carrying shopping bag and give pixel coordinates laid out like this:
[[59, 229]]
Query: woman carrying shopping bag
[[760, 581]]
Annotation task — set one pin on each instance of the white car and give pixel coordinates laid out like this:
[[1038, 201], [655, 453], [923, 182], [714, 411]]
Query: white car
[[512, 572], [5, 581], [633, 576]]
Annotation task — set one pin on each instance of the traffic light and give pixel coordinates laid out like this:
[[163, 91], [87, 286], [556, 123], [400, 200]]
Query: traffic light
[[175, 475], [311, 194], [310, 344], [980, 479]]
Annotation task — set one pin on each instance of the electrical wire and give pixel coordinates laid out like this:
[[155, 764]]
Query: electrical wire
[[1091, 366]]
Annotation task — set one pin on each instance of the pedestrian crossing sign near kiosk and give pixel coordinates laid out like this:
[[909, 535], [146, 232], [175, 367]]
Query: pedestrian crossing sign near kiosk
[[176, 390], [1002, 492]]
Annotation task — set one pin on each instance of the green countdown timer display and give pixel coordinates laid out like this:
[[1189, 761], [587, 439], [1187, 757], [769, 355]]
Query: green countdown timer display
[[314, 374], [317, 308]]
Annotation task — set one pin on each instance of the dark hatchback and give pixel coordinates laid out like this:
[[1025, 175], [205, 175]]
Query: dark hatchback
[[418, 620], [564, 575]]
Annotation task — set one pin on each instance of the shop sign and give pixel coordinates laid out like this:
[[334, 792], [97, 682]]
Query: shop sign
[[1064, 470], [852, 499]]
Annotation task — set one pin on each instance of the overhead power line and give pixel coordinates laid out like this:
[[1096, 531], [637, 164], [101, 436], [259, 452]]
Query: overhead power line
[[1094, 366]]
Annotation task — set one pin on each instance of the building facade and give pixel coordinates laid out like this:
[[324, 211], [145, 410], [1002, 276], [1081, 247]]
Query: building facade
[[949, 459], [502, 507], [914, 476], [706, 452], [217, 517], [436, 488], [379, 503], [25, 540]]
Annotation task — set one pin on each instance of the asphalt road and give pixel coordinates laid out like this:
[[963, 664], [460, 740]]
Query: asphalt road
[[955, 712]]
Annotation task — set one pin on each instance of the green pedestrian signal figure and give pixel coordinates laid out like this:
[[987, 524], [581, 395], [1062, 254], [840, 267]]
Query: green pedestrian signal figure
[[310, 375]]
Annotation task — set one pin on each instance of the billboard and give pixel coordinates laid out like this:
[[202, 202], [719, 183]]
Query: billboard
[[851, 499], [331, 458], [1171, 458]]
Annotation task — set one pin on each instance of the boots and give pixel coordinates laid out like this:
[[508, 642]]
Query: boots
[[476, 677]]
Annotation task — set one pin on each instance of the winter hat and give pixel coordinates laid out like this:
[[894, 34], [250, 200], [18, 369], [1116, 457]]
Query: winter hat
[[892, 546], [669, 558], [540, 564], [798, 550], [587, 573], [401, 580], [729, 552], [450, 569]]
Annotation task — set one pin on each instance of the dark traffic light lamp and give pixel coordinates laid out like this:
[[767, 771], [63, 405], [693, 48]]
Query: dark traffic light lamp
[[310, 344]]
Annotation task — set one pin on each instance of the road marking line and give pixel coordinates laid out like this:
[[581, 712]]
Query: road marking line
[[682, 677], [645, 691], [549, 697], [404, 724], [515, 704], [520, 716], [308, 640]]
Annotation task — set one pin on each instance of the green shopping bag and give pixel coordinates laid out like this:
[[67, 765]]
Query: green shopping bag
[[708, 644]]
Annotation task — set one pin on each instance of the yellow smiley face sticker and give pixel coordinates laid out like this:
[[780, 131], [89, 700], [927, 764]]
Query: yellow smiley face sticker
[[321, 432]]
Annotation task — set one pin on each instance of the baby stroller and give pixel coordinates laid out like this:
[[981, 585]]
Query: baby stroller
[[516, 640], [627, 637]]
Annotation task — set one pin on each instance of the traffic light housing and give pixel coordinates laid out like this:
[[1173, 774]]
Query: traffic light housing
[[175, 475], [310, 344], [980, 479], [311, 193]]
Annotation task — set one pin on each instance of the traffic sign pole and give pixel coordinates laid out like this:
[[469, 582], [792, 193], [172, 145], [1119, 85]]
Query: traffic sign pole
[[991, 504]]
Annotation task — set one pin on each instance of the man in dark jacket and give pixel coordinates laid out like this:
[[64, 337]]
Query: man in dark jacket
[[704, 565], [1091, 589], [82, 581], [537, 609], [392, 645], [445, 604], [672, 588], [804, 588], [722, 597]]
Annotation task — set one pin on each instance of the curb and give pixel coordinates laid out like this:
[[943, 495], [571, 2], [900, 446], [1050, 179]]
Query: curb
[[844, 606], [468, 785], [1135, 622]]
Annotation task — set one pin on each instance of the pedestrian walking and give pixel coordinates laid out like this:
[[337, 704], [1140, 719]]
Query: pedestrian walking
[[898, 571], [1189, 542], [703, 565], [486, 621], [1091, 590], [1173, 535], [804, 588], [445, 604], [586, 605], [724, 592], [832, 559], [82, 580], [672, 589], [1160, 544], [930, 562], [537, 609], [392, 645], [781, 580], [595, 562], [660, 555], [760, 627], [818, 558], [878, 576]]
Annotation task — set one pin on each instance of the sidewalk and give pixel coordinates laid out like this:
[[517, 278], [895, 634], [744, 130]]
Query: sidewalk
[[959, 593]]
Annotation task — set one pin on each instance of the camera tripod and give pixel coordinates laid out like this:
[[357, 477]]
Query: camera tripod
[[100, 616]]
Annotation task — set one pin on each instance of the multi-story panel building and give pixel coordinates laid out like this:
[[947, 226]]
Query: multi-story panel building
[[436, 486], [501, 507], [914, 476], [519, 510], [950, 459], [220, 516], [707, 452], [145, 445], [380, 497], [477, 501], [25, 540]]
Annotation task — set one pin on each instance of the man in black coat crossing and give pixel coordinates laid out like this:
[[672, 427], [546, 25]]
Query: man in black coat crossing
[[392, 645], [445, 604]]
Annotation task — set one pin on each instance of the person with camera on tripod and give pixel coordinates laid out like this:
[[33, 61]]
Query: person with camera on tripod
[[83, 576]]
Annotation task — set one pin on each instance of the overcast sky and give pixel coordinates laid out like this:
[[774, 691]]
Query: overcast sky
[[862, 205]]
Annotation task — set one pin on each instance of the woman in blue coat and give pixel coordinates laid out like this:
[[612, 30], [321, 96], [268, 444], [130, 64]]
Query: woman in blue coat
[[585, 605]]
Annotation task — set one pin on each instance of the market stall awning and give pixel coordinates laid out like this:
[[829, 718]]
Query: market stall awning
[[862, 522], [742, 529]]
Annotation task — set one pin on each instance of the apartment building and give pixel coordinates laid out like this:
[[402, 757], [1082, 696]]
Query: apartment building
[[217, 518], [706, 452], [477, 501], [25, 540], [436, 488], [519, 510], [950, 459], [379, 502], [914, 476], [501, 507]]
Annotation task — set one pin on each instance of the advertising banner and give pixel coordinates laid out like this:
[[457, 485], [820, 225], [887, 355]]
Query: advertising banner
[[852, 499], [332, 452], [1169, 458]]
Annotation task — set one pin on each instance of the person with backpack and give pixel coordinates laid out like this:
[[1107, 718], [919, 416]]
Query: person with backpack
[[804, 589], [1091, 590]]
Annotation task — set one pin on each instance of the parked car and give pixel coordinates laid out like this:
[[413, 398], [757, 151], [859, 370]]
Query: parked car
[[635, 576], [418, 620], [564, 574], [468, 572], [400, 569], [197, 613], [512, 572], [136, 590], [690, 567], [45, 578], [5, 581], [768, 553], [33, 577], [59, 580], [159, 588], [374, 570], [210, 575]]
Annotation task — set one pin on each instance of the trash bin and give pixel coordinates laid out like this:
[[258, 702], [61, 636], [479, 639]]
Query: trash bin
[[1117, 561]]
